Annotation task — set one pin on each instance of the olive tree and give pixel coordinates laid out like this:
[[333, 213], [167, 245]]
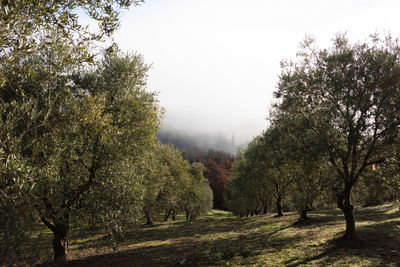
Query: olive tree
[[249, 191], [30, 26], [348, 96], [171, 196], [74, 142], [310, 169], [45, 120], [155, 174], [277, 164], [198, 196]]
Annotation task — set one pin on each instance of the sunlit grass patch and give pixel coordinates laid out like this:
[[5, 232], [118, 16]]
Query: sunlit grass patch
[[218, 214]]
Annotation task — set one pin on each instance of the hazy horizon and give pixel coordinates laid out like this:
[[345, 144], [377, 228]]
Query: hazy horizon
[[215, 64]]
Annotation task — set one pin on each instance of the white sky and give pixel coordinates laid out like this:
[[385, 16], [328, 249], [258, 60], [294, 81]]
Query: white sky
[[216, 62]]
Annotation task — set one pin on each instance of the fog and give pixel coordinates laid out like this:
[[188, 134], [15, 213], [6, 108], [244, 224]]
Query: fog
[[188, 141], [215, 64]]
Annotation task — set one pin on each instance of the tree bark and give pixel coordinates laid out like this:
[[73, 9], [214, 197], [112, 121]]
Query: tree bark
[[60, 243], [173, 215], [303, 215], [167, 213], [265, 209], [149, 219], [345, 205], [279, 207], [60, 230]]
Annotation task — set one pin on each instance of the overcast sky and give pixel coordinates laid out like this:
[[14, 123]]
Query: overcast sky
[[215, 63]]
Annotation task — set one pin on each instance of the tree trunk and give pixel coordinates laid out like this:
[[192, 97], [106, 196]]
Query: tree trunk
[[60, 243], [303, 215], [60, 230], [149, 219], [167, 213], [173, 215], [265, 209], [345, 205], [279, 207], [187, 215]]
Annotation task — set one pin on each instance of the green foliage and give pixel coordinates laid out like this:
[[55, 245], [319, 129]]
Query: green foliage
[[174, 185], [170, 198], [336, 115], [198, 198], [237, 187], [35, 25], [309, 166], [249, 191], [69, 143], [348, 97]]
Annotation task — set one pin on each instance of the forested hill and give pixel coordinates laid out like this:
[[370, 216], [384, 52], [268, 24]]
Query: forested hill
[[189, 143]]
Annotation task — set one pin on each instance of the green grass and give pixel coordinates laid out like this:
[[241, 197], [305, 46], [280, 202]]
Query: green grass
[[219, 239]]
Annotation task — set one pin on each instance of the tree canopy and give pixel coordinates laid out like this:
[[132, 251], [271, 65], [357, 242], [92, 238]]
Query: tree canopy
[[348, 96]]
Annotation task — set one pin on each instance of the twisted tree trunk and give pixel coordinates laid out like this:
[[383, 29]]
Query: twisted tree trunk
[[60, 243], [344, 203]]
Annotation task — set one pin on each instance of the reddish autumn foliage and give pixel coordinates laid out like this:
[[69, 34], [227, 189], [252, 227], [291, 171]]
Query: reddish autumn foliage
[[217, 172]]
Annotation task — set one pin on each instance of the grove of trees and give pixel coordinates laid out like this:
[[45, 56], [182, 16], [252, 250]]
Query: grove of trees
[[78, 135], [334, 129], [79, 144]]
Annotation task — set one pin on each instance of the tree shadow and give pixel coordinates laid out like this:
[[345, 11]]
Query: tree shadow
[[243, 241], [177, 230], [183, 248], [163, 231], [377, 241], [189, 252], [374, 213], [312, 222]]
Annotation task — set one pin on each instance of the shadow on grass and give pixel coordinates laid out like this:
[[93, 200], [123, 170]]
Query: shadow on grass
[[313, 221], [170, 230], [243, 248], [253, 241], [192, 251], [375, 213], [161, 255], [180, 229], [378, 241]]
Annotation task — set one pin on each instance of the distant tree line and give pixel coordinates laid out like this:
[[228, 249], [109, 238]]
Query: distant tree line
[[188, 142]]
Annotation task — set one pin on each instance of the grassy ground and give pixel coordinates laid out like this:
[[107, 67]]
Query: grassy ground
[[219, 239]]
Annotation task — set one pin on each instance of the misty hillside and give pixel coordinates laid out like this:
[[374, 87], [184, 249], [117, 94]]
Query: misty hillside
[[188, 142]]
